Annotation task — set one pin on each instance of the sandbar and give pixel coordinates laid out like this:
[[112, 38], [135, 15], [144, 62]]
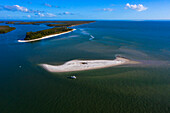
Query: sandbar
[[82, 65]]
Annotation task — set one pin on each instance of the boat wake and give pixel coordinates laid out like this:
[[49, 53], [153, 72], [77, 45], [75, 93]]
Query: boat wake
[[92, 37], [86, 33]]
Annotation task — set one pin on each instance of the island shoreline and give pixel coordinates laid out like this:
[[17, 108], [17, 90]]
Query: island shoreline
[[46, 37]]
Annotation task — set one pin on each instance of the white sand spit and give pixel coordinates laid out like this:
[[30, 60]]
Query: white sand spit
[[81, 65], [45, 37]]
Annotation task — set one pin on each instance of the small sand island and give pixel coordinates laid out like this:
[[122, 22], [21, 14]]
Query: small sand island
[[81, 65], [6, 29]]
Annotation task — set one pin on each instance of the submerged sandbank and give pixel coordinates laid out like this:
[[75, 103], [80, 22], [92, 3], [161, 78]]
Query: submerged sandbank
[[45, 37], [81, 65]]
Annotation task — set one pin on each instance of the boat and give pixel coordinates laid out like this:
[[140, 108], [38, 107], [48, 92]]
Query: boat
[[72, 77], [92, 37]]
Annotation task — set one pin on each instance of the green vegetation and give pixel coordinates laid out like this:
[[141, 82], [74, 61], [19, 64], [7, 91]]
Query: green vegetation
[[62, 22], [39, 34], [10, 22], [6, 29], [69, 23], [62, 27], [58, 25]]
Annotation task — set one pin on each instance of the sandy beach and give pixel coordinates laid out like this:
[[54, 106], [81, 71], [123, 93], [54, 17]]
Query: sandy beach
[[81, 65], [45, 37]]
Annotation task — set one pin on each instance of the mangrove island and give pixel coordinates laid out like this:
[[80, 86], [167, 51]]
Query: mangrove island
[[6, 29], [39, 34], [60, 27]]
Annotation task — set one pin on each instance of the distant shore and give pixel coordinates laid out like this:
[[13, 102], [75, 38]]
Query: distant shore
[[82, 65], [45, 37], [6, 29]]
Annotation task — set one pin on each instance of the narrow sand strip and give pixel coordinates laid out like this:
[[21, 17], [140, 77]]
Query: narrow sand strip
[[45, 37], [81, 65]]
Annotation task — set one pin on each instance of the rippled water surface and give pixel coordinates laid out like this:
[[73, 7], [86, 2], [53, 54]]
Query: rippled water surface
[[27, 88]]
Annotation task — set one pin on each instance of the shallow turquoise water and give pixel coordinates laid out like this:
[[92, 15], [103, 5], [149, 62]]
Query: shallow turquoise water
[[142, 88]]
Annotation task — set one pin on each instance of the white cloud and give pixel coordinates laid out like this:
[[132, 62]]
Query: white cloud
[[138, 7], [50, 15], [16, 8], [66, 13], [40, 14], [29, 16], [46, 15], [48, 5], [107, 9], [19, 8]]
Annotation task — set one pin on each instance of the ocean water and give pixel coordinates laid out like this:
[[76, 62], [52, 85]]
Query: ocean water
[[25, 87]]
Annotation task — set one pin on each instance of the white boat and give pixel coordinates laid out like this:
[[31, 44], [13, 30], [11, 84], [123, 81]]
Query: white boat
[[92, 37], [73, 77]]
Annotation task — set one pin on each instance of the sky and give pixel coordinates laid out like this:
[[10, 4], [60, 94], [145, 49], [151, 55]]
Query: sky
[[85, 9]]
